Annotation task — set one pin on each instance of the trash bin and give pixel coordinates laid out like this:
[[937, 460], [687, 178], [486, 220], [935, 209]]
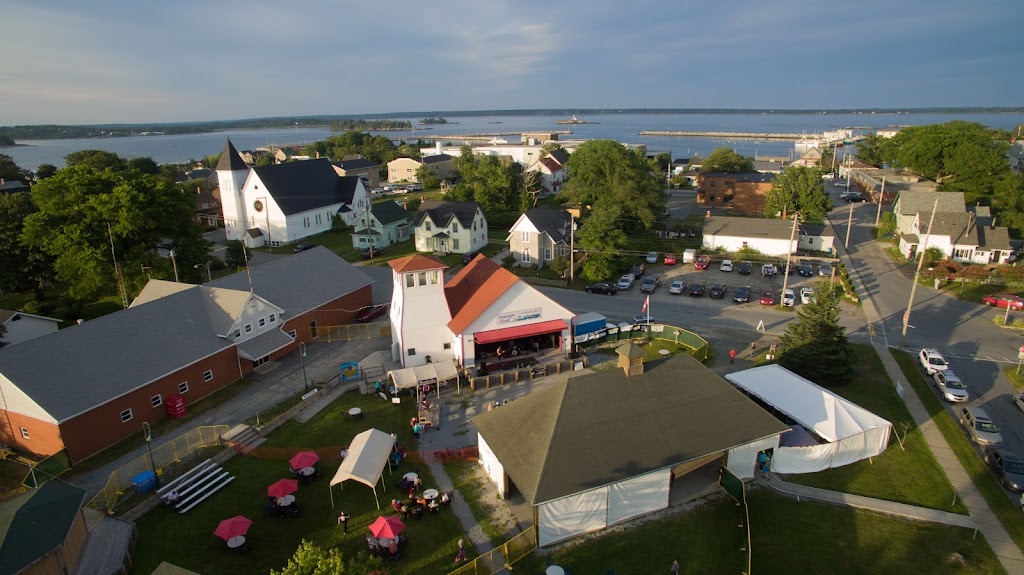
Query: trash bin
[[144, 482]]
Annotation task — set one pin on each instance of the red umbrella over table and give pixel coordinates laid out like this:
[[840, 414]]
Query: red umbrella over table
[[229, 528], [387, 527], [304, 459], [283, 487]]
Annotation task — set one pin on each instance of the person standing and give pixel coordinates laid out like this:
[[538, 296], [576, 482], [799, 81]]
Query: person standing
[[675, 568], [343, 521], [461, 555], [416, 430], [732, 355]]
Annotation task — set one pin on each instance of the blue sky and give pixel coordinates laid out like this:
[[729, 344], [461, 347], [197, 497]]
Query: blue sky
[[104, 61]]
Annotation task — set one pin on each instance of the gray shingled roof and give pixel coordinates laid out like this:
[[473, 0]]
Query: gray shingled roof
[[84, 366], [911, 202], [436, 158], [561, 155], [960, 227], [302, 186], [442, 212], [601, 428], [230, 159], [817, 230], [741, 177], [355, 164], [389, 212], [554, 223], [12, 186], [994, 238], [748, 227], [36, 522]]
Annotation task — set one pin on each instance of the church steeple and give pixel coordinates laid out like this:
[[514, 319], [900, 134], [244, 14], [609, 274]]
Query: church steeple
[[230, 159], [231, 175]]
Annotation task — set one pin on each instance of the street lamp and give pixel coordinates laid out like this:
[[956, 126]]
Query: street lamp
[[209, 276], [302, 358], [175, 265], [148, 434]]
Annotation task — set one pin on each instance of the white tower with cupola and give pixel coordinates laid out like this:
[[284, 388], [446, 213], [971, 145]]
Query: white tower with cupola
[[419, 311], [231, 174]]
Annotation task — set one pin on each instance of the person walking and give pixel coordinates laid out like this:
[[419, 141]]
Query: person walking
[[461, 555], [753, 348], [343, 521], [416, 430], [732, 355], [675, 568]]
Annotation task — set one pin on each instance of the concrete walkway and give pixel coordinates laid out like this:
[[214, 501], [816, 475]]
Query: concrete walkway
[[1005, 548]]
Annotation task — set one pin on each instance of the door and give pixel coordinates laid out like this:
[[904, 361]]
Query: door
[[312, 329]]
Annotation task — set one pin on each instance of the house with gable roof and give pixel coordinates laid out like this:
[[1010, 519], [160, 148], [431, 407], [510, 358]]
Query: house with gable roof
[[540, 235], [86, 387], [360, 166], [284, 203], [404, 169], [552, 174], [20, 326], [43, 531], [964, 235], [383, 224], [450, 227]]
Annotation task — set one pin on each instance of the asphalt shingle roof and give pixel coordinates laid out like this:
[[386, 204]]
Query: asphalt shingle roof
[[389, 212], [601, 428], [355, 164], [993, 238], [436, 158], [302, 186], [912, 202], [555, 223], [230, 159], [960, 227], [36, 522], [748, 227], [442, 212]]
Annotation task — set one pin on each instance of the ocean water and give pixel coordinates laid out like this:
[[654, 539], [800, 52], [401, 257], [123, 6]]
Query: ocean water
[[622, 127]]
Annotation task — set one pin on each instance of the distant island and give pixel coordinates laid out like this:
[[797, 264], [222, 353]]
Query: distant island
[[61, 132], [573, 120], [436, 120]]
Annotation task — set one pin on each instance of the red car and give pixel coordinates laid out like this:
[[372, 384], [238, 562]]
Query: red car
[[767, 296], [701, 263], [371, 312], [1004, 300], [670, 259]]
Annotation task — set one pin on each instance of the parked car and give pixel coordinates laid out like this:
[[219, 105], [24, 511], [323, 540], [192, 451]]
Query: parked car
[[670, 259], [980, 426], [1008, 467], [805, 270], [825, 269], [768, 270], [717, 291], [951, 387], [377, 191], [788, 269], [726, 266], [638, 270], [788, 298], [932, 360], [650, 283], [806, 295], [466, 258], [625, 283], [677, 287], [1004, 300], [767, 296], [652, 257], [701, 263], [308, 246], [642, 320], [372, 253], [741, 294], [847, 194], [371, 312], [603, 287], [855, 198], [415, 187], [745, 268], [697, 289], [1018, 400]]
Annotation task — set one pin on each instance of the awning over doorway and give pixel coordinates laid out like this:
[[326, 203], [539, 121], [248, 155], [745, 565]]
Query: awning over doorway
[[264, 344], [520, 331]]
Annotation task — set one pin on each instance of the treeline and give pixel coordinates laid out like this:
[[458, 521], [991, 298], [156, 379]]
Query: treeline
[[9, 134], [376, 125]]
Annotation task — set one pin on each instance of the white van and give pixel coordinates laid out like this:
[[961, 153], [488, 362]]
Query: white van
[[689, 256]]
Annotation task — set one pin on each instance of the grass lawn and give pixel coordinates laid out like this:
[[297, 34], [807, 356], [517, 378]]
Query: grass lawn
[[786, 537], [970, 291], [912, 476], [1017, 379], [189, 542], [101, 307], [473, 492], [994, 494]]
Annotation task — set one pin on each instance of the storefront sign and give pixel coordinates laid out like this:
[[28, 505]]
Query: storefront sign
[[589, 336], [517, 316]]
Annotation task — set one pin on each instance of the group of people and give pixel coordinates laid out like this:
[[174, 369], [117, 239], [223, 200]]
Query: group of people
[[386, 546]]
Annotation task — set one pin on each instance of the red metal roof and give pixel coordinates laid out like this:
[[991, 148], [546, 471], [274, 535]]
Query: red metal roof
[[520, 331], [416, 263]]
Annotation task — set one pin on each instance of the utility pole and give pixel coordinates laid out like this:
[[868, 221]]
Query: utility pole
[[878, 216], [917, 274], [572, 248], [366, 228], [302, 358], [117, 270], [789, 256], [174, 264], [849, 226]]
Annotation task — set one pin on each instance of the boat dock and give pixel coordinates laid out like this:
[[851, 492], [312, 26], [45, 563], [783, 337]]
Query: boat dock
[[485, 137], [732, 135]]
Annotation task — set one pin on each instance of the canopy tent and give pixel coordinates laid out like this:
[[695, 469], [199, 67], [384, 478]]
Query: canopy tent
[[851, 432], [425, 374], [368, 454]]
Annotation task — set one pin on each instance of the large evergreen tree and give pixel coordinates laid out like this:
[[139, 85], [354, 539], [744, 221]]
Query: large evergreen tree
[[815, 345]]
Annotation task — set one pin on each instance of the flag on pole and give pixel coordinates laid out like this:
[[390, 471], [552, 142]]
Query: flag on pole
[[647, 303]]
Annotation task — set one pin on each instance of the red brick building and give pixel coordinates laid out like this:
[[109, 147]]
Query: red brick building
[[743, 193], [89, 386]]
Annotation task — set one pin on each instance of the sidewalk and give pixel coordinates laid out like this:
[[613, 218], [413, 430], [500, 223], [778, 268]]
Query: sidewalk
[[999, 540]]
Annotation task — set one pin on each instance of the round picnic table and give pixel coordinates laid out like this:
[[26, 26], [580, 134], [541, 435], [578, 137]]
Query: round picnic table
[[286, 500], [236, 541], [411, 476], [355, 412], [430, 494], [554, 570], [307, 471]]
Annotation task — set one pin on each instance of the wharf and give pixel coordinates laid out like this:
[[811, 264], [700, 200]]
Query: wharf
[[737, 135]]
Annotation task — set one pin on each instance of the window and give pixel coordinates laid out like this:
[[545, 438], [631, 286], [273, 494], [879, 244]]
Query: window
[[208, 375], [525, 237], [474, 225], [428, 226], [292, 334], [24, 433], [455, 227], [156, 401], [423, 278], [248, 328], [273, 318], [183, 386], [434, 276], [526, 256], [410, 351], [547, 253], [455, 243], [410, 280], [126, 416], [238, 333], [305, 222], [447, 346], [263, 322]]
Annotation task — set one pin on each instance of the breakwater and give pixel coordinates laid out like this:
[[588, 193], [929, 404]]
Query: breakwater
[[737, 135]]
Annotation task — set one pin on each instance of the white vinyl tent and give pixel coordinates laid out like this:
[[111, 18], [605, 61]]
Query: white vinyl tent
[[428, 373], [368, 455], [848, 432]]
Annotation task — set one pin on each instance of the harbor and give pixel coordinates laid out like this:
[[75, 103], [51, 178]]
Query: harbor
[[728, 135]]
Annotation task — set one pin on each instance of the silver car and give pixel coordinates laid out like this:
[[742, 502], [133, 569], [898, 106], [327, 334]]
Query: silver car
[[980, 426], [951, 387], [626, 282], [677, 287]]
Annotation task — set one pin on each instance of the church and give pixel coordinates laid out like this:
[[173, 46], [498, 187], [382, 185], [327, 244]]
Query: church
[[282, 203]]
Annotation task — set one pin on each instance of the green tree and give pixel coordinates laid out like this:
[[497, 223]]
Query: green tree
[[234, 256], [427, 177], [559, 264], [815, 345], [798, 190], [495, 183], [21, 267], [602, 238], [9, 170], [886, 225], [310, 559], [1008, 202], [45, 171], [608, 176], [874, 150], [727, 161], [97, 159]]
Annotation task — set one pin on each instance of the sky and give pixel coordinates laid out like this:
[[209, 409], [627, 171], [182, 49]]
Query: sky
[[105, 61]]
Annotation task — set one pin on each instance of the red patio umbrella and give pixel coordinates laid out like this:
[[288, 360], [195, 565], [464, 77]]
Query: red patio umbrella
[[283, 487], [304, 459], [387, 526], [238, 525]]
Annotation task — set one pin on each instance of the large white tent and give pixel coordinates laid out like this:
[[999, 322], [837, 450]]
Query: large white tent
[[848, 432], [428, 373], [368, 455]]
